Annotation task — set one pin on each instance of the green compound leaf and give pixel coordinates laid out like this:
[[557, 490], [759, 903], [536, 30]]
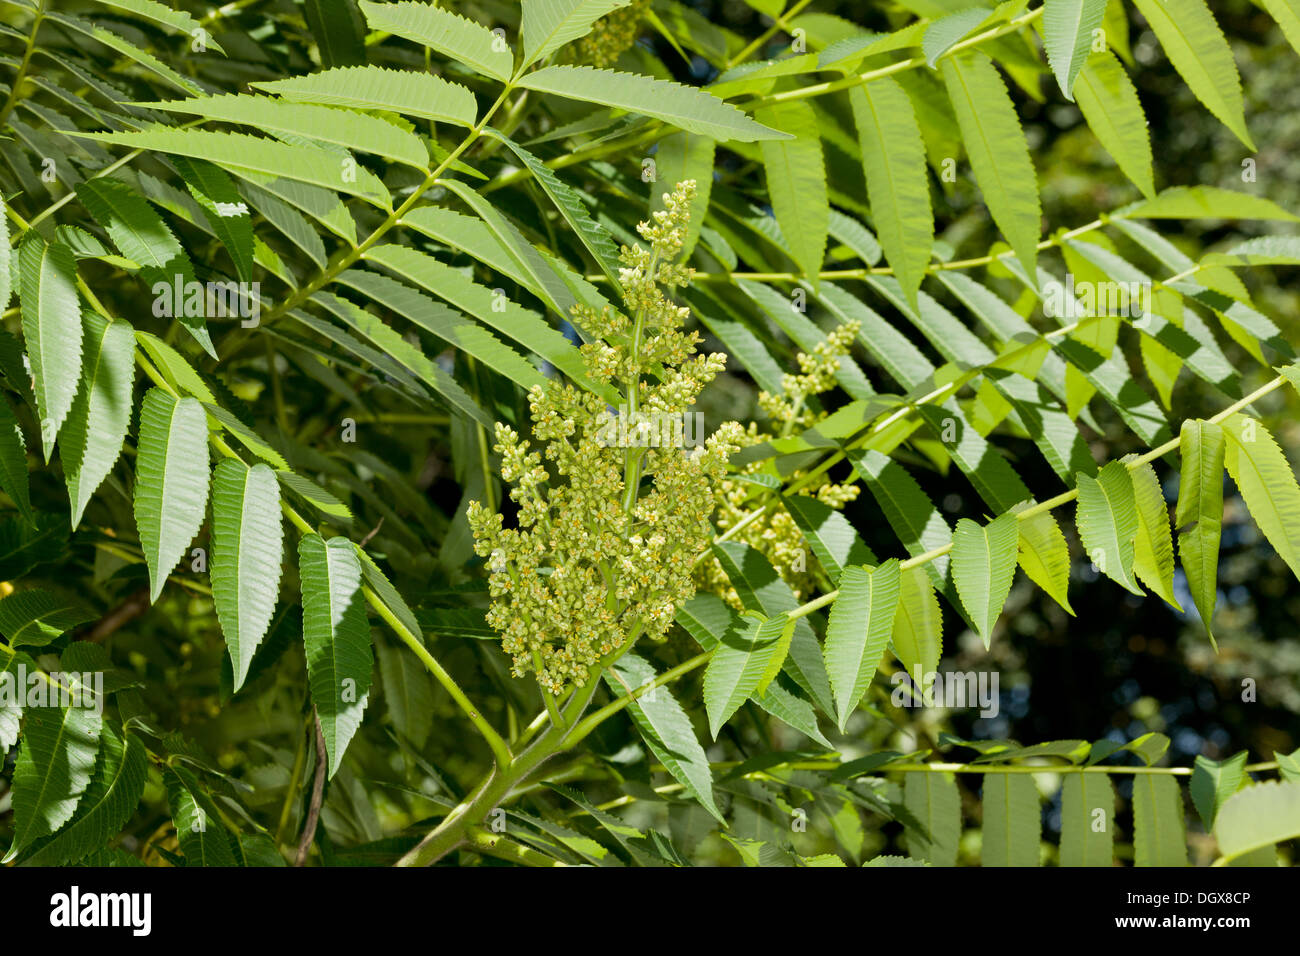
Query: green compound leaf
[[762, 590], [128, 50], [681, 156], [144, 238], [171, 481], [742, 658], [314, 494], [666, 729], [355, 87], [997, 149], [833, 540], [36, 617], [945, 32], [858, 631], [893, 158], [54, 767], [796, 182], [1158, 837], [408, 693], [258, 159], [919, 525], [449, 33], [685, 107], [337, 638], [247, 549], [1257, 817], [1288, 765], [159, 13], [23, 546], [297, 115], [1267, 484], [1044, 556], [707, 618], [378, 582], [1207, 202], [1087, 820], [933, 800], [13, 460], [134, 226], [110, 799], [1199, 516], [983, 567], [339, 31], [568, 201], [1287, 15], [100, 416], [1201, 55], [203, 837], [1110, 104], [513, 321], [225, 211], [1213, 782], [1067, 36], [917, 634], [1108, 523], [51, 318], [1012, 821], [550, 24], [11, 705], [1153, 546]]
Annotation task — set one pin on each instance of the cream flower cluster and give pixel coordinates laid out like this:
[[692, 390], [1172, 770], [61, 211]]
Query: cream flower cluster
[[775, 534], [606, 536], [788, 410]]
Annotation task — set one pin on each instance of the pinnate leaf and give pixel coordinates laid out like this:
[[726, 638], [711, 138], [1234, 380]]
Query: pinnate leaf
[[983, 567], [861, 621], [337, 638], [1108, 523], [171, 480], [247, 548]]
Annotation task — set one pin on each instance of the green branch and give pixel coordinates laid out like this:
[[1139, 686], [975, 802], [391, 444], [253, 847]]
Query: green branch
[[930, 269], [857, 79], [495, 845], [782, 22]]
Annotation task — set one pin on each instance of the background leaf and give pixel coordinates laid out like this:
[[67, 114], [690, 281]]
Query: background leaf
[[171, 493], [337, 638], [246, 553]]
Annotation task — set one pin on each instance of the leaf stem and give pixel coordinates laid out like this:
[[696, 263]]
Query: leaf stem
[[456, 827], [500, 750], [931, 268], [857, 79], [780, 23]]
